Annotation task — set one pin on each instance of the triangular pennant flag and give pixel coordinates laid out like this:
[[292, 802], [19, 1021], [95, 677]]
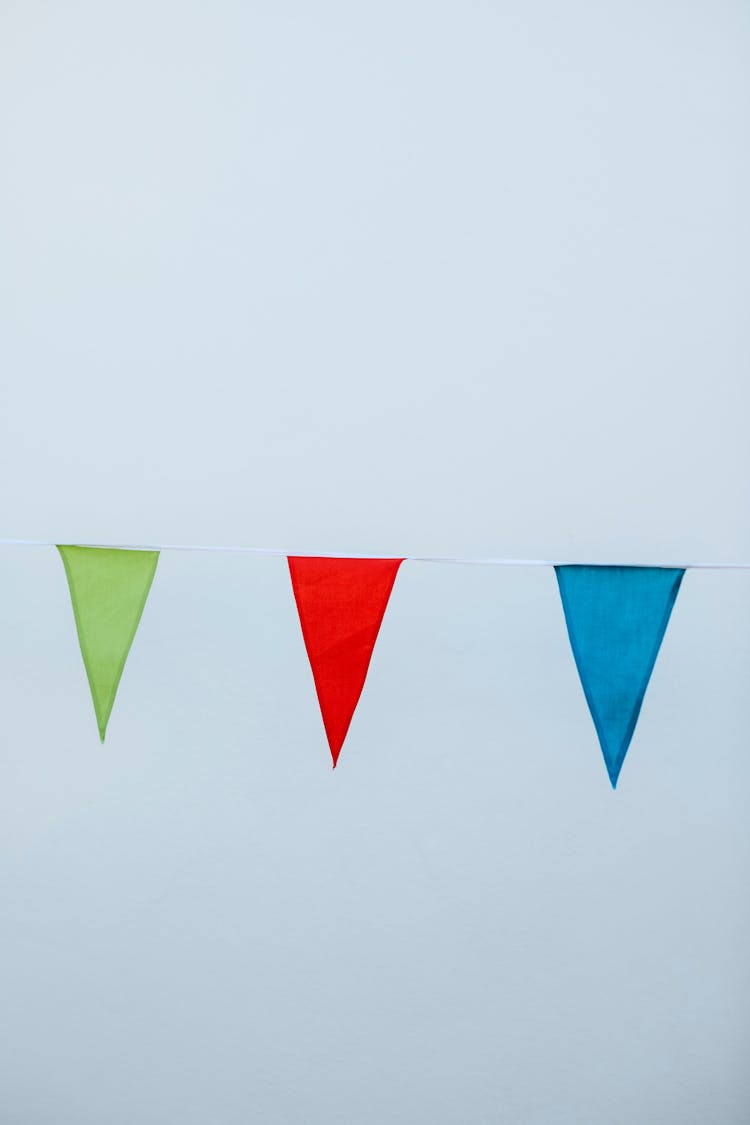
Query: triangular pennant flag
[[616, 618], [108, 589], [341, 603]]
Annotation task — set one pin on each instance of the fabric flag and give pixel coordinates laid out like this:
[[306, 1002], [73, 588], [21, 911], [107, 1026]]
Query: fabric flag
[[341, 603], [108, 589], [616, 618]]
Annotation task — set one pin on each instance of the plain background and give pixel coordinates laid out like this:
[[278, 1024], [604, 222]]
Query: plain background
[[409, 277]]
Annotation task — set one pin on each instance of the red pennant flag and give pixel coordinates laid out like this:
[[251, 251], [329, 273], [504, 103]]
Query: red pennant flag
[[341, 603]]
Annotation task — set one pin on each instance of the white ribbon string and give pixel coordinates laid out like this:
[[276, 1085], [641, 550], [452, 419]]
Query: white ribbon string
[[456, 560]]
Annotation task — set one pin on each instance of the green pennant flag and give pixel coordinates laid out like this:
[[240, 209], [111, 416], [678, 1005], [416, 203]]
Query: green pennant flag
[[108, 589]]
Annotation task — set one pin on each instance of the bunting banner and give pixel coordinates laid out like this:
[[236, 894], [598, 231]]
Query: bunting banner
[[341, 605], [108, 589], [616, 618]]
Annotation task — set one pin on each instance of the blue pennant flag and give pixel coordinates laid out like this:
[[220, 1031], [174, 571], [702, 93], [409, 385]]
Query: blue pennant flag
[[616, 618]]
